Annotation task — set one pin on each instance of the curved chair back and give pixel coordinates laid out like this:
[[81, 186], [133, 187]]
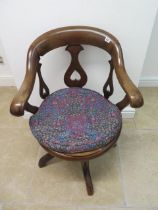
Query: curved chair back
[[73, 37]]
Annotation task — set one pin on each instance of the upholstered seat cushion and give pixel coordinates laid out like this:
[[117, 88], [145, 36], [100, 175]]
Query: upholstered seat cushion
[[76, 120]]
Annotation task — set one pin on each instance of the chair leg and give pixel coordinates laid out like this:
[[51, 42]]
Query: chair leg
[[87, 177], [43, 160]]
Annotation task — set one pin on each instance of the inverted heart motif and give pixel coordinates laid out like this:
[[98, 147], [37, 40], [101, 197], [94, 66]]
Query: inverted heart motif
[[75, 76]]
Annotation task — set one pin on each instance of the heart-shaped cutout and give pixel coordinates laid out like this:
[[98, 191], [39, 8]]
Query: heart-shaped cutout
[[75, 76]]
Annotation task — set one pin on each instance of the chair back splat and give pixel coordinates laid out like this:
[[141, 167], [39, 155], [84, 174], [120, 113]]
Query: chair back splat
[[75, 66]]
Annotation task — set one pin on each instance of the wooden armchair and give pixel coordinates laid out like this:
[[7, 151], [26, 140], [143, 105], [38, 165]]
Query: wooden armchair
[[75, 123]]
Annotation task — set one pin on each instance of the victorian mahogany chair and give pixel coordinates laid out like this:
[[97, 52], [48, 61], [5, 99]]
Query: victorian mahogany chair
[[75, 123]]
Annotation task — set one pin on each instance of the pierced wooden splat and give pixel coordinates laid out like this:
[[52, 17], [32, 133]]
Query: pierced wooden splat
[[43, 88], [109, 82], [30, 108], [123, 103], [75, 66]]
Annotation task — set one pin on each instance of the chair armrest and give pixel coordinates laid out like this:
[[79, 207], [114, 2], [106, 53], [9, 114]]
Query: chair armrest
[[134, 96], [20, 100]]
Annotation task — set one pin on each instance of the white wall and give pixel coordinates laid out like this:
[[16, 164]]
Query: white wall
[[149, 75], [6, 78], [130, 21]]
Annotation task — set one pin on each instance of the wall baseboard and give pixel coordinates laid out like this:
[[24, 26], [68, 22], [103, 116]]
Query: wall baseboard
[[7, 80], [128, 112], [148, 82]]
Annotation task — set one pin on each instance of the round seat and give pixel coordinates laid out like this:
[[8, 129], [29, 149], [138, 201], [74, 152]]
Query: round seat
[[75, 120]]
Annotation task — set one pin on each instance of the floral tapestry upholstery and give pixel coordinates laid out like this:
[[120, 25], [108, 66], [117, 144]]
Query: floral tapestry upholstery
[[75, 120]]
